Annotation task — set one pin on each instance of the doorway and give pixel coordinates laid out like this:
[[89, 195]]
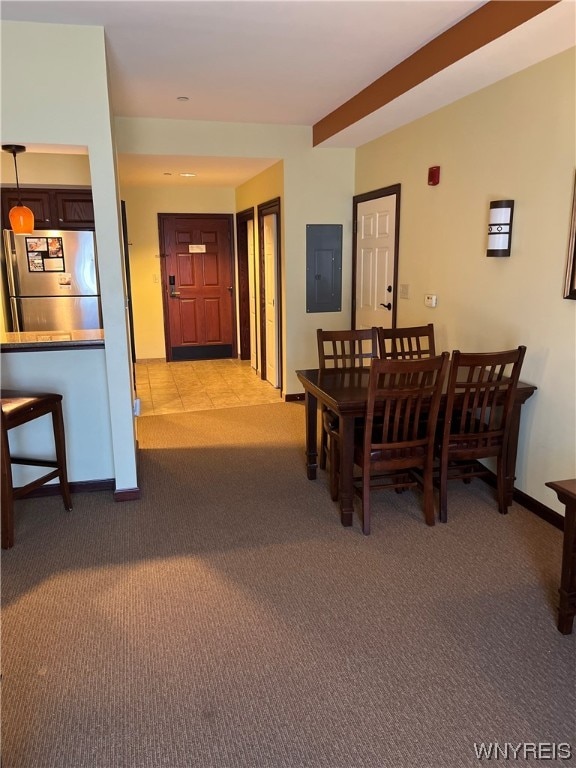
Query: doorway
[[270, 279], [376, 217], [197, 286], [246, 271]]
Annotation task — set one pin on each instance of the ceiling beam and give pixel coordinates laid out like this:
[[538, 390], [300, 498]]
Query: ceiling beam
[[492, 20]]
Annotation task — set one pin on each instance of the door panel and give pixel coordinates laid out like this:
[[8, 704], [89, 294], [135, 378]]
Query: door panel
[[270, 261], [375, 279], [252, 278], [198, 288]]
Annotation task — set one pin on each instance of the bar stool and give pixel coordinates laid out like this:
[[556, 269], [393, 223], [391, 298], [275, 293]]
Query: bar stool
[[19, 407]]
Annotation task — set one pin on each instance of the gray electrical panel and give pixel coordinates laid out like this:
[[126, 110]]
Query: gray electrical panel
[[323, 267]]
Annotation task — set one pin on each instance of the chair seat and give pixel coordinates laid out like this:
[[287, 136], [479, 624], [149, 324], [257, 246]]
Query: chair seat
[[394, 454], [19, 406]]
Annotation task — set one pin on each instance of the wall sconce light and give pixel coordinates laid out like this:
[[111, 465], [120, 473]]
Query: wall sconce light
[[21, 217], [500, 227]]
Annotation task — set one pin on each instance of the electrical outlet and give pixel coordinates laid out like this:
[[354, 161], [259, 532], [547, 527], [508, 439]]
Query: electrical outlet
[[430, 299]]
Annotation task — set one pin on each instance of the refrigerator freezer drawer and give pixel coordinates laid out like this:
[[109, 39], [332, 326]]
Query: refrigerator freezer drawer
[[56, 313]]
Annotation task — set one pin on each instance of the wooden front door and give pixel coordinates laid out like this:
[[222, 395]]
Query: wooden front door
[[197, 286]]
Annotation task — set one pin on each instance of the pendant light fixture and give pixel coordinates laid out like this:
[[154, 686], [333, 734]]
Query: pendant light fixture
[[21, 217]]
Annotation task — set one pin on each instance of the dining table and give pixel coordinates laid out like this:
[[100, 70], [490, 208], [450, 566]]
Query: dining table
[[344, 391]]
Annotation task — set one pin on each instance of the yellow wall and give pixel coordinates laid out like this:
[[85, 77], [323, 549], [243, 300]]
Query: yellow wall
[[143, 204], [52, 170], [268, 185], [318, 187], [515, 139]]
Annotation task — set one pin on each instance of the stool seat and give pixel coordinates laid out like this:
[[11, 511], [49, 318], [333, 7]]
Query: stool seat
[[19, 407]]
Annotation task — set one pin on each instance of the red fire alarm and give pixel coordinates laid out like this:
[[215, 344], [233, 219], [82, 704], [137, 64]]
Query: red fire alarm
[[434, 175]]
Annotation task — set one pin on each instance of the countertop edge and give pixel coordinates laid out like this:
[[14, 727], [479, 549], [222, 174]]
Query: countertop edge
[[49, 346]]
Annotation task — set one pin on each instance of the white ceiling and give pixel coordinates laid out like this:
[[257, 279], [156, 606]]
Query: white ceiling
[[281, 62]]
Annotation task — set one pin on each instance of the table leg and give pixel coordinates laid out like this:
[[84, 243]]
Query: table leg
[[346, 429], [311, 407], [567, 605], [512, 450]]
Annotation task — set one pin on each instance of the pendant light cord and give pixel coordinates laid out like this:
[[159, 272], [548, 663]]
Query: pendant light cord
[[16, 172]]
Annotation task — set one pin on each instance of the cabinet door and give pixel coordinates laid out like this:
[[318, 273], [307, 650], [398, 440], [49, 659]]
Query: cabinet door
[[37, 200], [74, 209]]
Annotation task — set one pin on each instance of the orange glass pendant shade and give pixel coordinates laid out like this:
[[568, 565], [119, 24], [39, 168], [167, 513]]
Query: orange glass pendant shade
[[21, 217], [21, 220]]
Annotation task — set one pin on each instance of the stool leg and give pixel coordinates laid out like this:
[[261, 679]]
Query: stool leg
[[7, 497], [60, 444]]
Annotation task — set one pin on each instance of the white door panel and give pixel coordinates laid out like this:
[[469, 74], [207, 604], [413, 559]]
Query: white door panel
[[271, 280], [254, 341], [375, 253]]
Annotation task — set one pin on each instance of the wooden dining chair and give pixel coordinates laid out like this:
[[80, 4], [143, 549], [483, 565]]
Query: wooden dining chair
[[479, 401], [398, 436], [20, 407], [340, 349], [409, 343]]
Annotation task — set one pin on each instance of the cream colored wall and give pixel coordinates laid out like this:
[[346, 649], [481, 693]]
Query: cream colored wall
[[143, 204], [69, 106], [515, 139], [318, 189]]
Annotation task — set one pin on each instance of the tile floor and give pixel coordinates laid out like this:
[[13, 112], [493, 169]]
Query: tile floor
[[199, 385]]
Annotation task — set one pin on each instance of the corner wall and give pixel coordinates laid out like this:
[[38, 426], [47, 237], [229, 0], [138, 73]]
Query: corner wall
[[143, 204], [69, 105], [513, 140]]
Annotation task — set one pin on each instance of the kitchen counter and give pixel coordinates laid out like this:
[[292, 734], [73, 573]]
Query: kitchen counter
[[47, 340]]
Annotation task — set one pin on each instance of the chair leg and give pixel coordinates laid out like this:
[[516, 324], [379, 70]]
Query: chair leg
[[334, 469], [60, 444], [7, 500], [501, 486], [366, 502], [428, 490], [443, 485], [323, 447]]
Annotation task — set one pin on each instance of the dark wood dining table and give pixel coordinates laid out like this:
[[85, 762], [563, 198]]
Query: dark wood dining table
[[344, 391]]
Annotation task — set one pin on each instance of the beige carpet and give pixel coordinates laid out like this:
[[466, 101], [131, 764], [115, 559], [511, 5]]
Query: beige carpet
[[227, 620]]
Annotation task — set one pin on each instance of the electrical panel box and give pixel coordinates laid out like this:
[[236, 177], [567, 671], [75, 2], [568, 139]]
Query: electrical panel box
[[323, 267]]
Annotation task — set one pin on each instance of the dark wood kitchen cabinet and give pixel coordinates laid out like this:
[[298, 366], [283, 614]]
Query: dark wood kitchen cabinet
[[52, 208], [37, 200]]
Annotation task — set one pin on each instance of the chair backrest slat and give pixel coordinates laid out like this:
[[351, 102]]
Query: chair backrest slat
[[483, 385], [403, 402], [409, 343], [347, 349]]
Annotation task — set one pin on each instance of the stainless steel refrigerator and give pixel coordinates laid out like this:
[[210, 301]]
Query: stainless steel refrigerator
[[52, 280]]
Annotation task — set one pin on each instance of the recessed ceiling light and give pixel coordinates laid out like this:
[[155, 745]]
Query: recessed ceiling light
[[187, 174], [182, 98]]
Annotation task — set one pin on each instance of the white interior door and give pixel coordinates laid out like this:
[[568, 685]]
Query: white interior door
[[252, 289], [375, 254], [270, 262]]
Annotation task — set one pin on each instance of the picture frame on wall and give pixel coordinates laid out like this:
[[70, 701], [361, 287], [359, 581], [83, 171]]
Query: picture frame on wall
[[570, 281]]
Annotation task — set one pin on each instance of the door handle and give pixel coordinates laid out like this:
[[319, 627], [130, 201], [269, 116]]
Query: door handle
[[174, 294], [387, 306]]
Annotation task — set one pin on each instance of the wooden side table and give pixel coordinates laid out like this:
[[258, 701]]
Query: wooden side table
[[566, 492]]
